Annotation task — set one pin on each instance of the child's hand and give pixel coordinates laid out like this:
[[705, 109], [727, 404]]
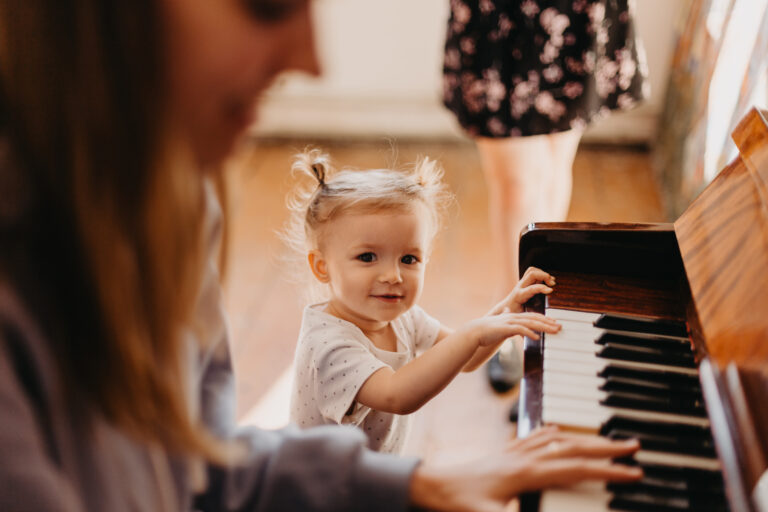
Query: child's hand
[[493, 329], [534, 281]]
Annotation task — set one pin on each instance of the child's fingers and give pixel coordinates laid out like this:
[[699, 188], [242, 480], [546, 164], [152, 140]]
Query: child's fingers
[[547, 322], [531, 290], [522, 330], [534, 275], [533, 323], [536, 325]]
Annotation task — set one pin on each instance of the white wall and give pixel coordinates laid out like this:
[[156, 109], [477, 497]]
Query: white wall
[[382, 66]]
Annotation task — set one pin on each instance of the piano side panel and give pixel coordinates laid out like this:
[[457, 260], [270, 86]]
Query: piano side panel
[[723, 239]]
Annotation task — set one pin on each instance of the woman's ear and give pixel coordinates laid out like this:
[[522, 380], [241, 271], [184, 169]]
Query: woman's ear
[[318, 266]]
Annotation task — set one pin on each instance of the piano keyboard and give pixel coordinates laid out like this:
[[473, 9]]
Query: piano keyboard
[[624, 377]]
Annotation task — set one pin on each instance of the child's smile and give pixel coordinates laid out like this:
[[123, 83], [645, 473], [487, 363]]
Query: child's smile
[[374, 264]]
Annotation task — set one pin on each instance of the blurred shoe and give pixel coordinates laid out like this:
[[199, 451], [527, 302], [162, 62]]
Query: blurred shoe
[[505, 368], [514, 412]]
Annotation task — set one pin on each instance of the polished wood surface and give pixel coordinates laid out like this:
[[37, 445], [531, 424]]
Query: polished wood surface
[[609, 267], [710, 270], [723, 238]]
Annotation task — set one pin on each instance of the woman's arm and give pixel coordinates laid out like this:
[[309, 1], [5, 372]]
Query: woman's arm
[[546, 458]]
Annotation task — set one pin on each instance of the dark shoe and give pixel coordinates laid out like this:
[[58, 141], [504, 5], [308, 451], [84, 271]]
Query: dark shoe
[[500, 377], [514, 412]]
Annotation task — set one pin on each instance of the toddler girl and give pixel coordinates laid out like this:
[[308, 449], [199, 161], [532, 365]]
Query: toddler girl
[[368, 355]]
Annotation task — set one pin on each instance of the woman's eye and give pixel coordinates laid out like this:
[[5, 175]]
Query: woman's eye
[[366, 257], [272, 10], [409, 259]]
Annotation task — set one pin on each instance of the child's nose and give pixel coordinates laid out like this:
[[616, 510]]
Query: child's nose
[[391, 274]]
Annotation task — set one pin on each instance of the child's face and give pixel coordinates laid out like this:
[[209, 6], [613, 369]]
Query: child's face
[[374, 264]]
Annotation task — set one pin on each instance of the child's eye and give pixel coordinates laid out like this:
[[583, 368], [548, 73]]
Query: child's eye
[[409, 259], [367, 257]]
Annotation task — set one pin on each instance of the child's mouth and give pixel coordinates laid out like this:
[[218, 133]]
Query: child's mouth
[[389, 298]]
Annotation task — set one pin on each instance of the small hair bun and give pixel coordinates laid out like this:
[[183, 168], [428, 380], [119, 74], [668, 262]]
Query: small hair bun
[[313, 162], [318, 168]]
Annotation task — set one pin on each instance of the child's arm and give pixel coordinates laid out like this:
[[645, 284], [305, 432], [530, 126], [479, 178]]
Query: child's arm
[[407, 389]]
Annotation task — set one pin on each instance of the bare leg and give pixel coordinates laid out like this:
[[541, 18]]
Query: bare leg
[[528, 179]]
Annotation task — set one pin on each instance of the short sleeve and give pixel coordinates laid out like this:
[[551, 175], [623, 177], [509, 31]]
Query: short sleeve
[[341, 368], [425, 329]]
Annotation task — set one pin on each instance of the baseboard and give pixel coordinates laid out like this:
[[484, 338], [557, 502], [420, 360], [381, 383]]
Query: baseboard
[[329, 117]]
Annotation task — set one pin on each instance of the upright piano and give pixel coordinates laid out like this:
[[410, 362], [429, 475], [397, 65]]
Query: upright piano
[[664, 338]]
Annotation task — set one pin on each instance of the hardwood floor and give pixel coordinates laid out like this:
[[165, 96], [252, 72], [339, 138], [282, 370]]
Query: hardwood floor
[[610, 184]]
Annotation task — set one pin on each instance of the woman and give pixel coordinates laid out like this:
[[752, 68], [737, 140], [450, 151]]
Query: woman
[[524, 79], [115, 382]]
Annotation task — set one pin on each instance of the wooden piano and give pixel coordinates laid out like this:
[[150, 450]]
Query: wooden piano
[[664, 338]]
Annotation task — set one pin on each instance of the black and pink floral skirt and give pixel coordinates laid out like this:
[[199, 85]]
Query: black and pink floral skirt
[[516, 68]]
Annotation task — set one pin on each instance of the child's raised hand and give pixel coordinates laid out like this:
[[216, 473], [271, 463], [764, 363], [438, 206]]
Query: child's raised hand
[[534, 281], [493, 329]]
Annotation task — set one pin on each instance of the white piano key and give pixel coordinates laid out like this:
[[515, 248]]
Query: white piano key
[[585, 413], [677, 460], [583, 363], [583, 497], [570, 314], [571, 391], [574, 321], [569, 342], [573, 380]]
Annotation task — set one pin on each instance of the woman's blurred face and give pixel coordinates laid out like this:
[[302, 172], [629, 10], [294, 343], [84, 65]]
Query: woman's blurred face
[[221, 55]]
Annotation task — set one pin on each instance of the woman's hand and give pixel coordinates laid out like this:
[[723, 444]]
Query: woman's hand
[[534, 281], [491, 330], [547, 458]]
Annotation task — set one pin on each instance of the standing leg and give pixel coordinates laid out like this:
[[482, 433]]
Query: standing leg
[[529, 179]]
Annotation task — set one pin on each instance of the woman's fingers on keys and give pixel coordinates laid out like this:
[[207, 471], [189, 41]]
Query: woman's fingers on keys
[[538, 438], [580, 446], [560, 472]]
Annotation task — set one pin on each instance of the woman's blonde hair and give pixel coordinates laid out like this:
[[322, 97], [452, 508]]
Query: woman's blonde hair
[[325, 193]]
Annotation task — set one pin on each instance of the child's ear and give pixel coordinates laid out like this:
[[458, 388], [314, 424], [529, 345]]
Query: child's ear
[[318, 266]]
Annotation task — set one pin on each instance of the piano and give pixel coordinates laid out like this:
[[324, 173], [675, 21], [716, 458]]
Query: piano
[[664, 338]]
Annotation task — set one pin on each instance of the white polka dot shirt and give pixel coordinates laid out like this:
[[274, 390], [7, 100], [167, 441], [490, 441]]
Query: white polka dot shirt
[[333, 360]]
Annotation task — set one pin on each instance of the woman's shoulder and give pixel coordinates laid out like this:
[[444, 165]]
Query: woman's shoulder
[[24, 345]]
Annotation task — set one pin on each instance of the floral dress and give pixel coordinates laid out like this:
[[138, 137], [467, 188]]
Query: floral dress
[[514, 68]]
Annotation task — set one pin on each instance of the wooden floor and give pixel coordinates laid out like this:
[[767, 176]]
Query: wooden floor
[[610, 184]]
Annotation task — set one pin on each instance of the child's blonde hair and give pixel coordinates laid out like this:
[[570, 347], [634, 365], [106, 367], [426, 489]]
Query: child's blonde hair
[[330, 193]]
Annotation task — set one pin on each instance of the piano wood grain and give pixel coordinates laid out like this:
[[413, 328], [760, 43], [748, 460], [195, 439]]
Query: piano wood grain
[[723, 239]]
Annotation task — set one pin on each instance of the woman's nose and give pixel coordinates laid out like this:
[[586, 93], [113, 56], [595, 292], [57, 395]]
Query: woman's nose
[[304, 55]]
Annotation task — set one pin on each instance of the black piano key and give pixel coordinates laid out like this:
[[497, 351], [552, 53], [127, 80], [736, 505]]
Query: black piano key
[[673, 345], [649, 388], [641, 497], [647, 326], [673, 485], [679, 380], [645, 355], [680, 431], [692, 478], [666, 443], [655, 403], [639, 501]]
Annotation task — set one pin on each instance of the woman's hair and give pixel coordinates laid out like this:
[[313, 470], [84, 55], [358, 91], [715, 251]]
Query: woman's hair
[[329, 193], [103, 214]]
